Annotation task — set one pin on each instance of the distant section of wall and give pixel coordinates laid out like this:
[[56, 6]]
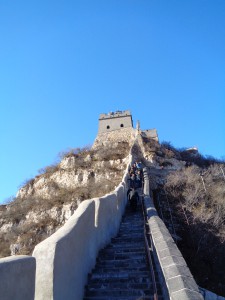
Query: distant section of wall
[[150, 133], [178, 278], [114, 121], [17, 277], [65, 258]]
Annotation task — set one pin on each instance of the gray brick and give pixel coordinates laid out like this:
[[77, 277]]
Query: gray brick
[[186, 294]]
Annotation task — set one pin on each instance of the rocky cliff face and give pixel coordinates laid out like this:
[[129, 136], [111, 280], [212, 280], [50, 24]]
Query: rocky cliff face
[[47, 201]]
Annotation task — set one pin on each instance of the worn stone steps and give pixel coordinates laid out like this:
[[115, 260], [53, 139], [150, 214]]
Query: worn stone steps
[[121, 270], [122, 256], [122, 298], [111, 251], [128, 278], [120, 292], [119, 285]]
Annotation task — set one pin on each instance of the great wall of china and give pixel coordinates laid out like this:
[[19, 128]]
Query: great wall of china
[[61, 265]]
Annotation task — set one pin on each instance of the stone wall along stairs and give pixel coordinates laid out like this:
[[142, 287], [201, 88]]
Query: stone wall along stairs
[[122, 271]]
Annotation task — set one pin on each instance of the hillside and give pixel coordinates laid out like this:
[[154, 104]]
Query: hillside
[[193, 186], [47, 201]]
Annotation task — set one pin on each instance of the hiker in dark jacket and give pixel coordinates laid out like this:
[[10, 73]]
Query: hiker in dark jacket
[[133, 198]]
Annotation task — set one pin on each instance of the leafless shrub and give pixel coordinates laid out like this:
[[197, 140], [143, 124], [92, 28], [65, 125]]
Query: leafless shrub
[[201, 214], [5, 244], [167, 150], [49, 169], [200, 195], [118, 151], [75, 152], [150, 144], [27, 182]]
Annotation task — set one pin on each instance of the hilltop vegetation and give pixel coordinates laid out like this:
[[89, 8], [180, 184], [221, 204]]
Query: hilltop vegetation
[[196, 193]]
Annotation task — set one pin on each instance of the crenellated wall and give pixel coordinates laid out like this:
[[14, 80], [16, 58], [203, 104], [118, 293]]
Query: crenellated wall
[[115, 121], [177, 277]]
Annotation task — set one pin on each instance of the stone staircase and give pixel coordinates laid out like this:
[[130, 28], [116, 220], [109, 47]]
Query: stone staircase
[[122, 270]]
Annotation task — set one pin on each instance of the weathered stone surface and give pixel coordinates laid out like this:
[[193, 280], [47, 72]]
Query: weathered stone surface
[[176, 270], [162, 245], [124, 135], [169, 252], [186, 294], [172, 260], [181, 282], [17, 275]]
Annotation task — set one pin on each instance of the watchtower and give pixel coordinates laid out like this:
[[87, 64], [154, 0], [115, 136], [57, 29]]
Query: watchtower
[[114, 121]]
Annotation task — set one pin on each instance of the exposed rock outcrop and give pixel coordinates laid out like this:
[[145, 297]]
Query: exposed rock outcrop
[[47, 201]]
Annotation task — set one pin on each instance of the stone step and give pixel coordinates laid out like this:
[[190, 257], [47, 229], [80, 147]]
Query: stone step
[[127, 239], [121, 262], [126, 245], [131, 232], [122, 256], [132, 217], [129, 236], [122, 298], [128, 279], [112, 251], [119, 292], [126, 286], [119, 275], [134, 225], [130, 226], [119, 285], [131, 229], [126, 264], [124, 268], [121, 270]]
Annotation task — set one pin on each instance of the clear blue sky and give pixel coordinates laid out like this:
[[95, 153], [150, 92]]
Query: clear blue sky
[[62, 63]]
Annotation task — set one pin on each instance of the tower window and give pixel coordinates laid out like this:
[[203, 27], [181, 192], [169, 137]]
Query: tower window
[[108, 127], [121, 125]]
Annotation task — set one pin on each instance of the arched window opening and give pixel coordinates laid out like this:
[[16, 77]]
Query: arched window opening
[[121, 125], [108, 127]]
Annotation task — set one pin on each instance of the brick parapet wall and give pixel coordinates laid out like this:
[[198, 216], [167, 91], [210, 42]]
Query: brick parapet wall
[[178, 278]]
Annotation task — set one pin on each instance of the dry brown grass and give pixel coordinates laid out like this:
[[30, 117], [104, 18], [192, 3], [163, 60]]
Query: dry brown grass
[[197, 191], [200, 210], [31, 233]]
